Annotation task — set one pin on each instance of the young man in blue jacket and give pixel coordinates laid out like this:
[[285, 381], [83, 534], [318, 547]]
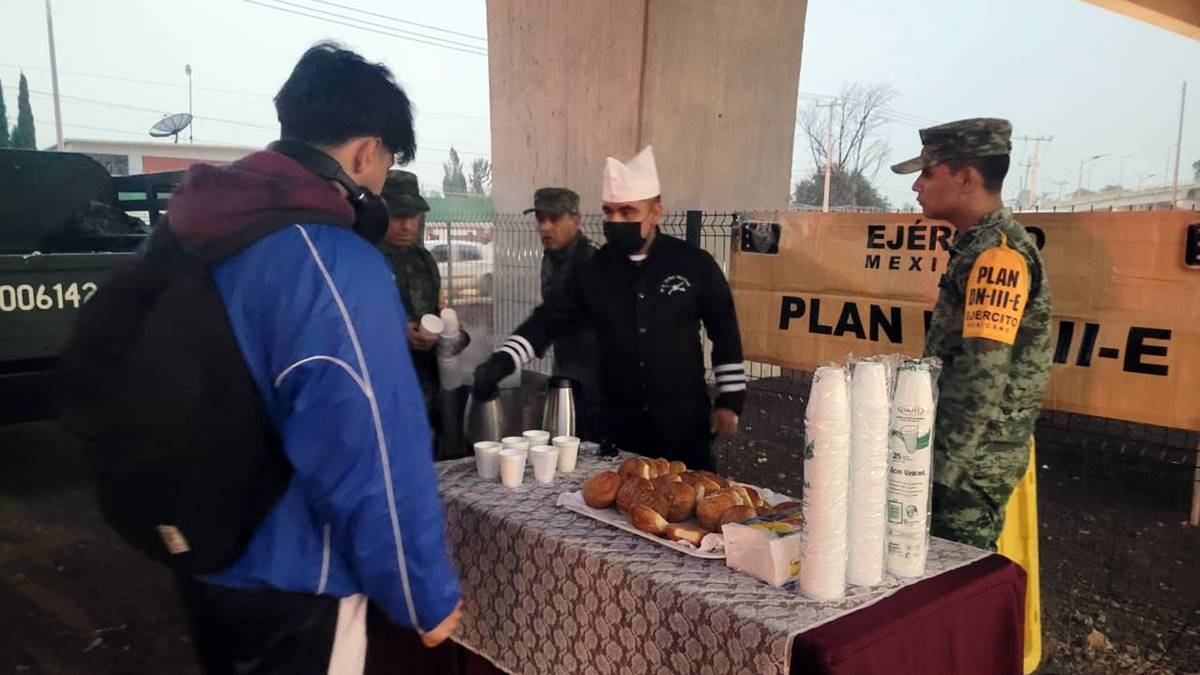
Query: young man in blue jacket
[[316, 315]]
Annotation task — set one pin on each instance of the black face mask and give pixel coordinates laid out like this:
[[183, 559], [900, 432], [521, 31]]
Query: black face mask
[[625, 237]]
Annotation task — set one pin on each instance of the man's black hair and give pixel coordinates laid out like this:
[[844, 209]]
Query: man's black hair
[[993, 169], [334, 95]]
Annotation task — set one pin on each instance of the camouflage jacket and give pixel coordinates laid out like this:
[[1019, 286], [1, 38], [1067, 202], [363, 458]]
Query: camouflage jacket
[[990, 390], [575, 356], [419, 284], [417, 278]]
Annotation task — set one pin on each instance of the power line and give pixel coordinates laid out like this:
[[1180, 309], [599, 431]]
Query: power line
[[443, 44], [134, 80], [399, 20], [398, 30], [220, 120]]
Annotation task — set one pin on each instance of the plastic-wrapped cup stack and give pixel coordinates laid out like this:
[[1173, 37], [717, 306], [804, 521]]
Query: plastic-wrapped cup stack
[[826, 481], [450, 344], [910, 445], [870, 407]]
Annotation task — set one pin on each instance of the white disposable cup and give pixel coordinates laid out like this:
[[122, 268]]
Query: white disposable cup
[[545, 461], [568, 452], [512, 466], [519, 442], [449, 321], [431, 326], [537, 437], [869, 386], [829, 399], [487, 459]]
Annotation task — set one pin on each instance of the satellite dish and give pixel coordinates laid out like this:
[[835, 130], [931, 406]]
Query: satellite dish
[[171, 125]]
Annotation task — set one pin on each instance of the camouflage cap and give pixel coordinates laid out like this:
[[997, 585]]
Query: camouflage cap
[[402, 194], [976, 137], [554, 200]]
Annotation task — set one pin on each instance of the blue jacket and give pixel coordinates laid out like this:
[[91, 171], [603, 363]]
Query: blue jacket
[[317, 317]]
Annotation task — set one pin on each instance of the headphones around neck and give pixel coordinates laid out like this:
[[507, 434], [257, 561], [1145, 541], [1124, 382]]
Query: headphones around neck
[[370, 211]]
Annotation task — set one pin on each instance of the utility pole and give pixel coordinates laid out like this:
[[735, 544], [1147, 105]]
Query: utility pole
[[54, 81], [187, 68], [1178, 149], [1083, 162], [1121, 172], [1031, 172], [1061, 184], [828, 154]]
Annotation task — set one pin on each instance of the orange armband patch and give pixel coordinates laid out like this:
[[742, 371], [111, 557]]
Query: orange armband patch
[[997, 292]]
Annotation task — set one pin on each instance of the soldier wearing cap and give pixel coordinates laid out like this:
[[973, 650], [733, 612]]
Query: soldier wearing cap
[[416, 275], [646, 296], [566, 248], [990, 327]]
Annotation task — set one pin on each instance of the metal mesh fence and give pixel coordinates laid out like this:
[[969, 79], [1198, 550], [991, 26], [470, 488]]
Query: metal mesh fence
[[1116, 553]]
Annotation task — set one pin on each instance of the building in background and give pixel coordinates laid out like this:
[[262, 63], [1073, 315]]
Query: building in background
[[124, 158], [1158, 197]]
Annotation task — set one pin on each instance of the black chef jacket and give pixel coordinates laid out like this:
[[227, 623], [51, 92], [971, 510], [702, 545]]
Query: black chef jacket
[[646, 317]]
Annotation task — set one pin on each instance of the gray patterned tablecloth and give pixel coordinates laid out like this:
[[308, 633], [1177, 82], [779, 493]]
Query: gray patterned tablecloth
[[548, 590]]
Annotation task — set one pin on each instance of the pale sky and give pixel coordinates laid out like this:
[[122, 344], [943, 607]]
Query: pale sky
[[1097, 82]]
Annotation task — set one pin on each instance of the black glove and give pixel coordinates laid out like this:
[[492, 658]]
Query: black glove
[[489, 373]]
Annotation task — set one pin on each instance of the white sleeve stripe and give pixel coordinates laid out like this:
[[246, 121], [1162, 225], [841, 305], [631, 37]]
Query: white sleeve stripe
[[729, 379], [512, 353], [525, 344], [377, 419], [730, 368], [522, 349], [727, 388]]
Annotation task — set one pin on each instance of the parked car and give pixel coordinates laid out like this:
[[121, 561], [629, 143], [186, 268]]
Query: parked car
[[465, 266]]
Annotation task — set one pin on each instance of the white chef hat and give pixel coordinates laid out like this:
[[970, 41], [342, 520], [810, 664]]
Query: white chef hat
[[633, 180]]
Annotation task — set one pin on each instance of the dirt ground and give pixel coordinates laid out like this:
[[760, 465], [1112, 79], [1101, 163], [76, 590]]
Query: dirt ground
[[1120, 589]]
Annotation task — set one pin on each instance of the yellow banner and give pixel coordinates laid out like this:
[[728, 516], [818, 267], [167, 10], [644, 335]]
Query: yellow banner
[[1126, 307]]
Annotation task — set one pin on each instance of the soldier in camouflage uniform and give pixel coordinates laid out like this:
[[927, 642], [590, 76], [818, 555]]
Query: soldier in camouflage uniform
[[566, 248], [417, 278], [990, 327]]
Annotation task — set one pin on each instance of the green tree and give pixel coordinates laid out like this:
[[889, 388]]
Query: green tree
[[23, 135], [481, 177], [4, 139], [454, 181], [844, 190]]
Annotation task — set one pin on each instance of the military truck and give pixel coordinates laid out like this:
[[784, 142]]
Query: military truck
[[65, 225]]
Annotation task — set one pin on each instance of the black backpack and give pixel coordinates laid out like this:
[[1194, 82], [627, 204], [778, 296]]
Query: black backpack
[[186, 460]]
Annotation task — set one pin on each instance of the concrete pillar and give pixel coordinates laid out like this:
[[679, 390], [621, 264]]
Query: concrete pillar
[[710, 83]]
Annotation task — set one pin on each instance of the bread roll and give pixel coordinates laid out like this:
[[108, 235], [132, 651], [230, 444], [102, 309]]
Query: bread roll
[[743, 495], [756, 499], [706, 486], [635, 467], [630, 489], [785, 506], [654, 500], [600, 491], [737, 514], [710, 509], [647, 519], [662, 466], [665, 479], [763, 510], [681, 501], [692, 534], [678, 467], [719, 480]]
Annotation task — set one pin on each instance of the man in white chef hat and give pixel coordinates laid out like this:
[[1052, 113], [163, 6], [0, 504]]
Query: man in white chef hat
[[646, 296]]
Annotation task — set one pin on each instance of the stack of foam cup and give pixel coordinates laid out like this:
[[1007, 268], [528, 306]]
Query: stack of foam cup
[[450, 345], [568, 452], [487, 459], [826, 481], [909, 466], [870, 408], [545, 462]]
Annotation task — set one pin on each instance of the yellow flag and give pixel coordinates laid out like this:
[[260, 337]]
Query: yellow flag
[[997, 292]]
